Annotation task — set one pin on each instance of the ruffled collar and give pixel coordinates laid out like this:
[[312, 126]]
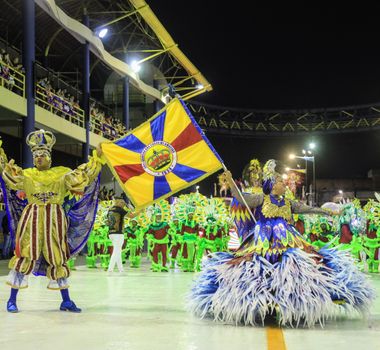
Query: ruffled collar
[[47, 177]]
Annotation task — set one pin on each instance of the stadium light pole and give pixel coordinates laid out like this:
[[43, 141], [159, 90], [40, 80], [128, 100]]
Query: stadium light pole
[[315, 181], [312, 147]]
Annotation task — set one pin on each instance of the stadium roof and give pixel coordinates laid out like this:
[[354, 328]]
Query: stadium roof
[[133, 30]]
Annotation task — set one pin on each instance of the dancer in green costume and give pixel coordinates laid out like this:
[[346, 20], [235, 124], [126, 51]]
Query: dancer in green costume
[[134, 234], [322, 233], [158, 235], [176, 241], [352, 227], [372, 238], [213, 235], [188, 210], [98, 244]]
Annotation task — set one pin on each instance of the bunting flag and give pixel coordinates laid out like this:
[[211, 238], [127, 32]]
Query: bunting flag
[[162, 156]]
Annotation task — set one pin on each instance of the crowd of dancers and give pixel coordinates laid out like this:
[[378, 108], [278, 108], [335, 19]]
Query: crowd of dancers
[[176, 235], [181, 234], [298, 270]]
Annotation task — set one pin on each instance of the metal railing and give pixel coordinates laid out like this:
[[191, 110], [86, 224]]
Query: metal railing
[[104, 129], [12, 79], [59, 106], [96, 126]]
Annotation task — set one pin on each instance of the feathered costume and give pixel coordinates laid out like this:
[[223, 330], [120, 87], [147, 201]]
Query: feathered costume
[[252, 177], [276, 272]]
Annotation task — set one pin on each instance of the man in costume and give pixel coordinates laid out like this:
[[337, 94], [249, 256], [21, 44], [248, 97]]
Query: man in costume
[[372, 238], [321, 232], [98, 244], [189, 210], [155, 221], [158, 237], [372, 247], [352, 227], [276, 272], [134, 234], [190, 238], [213, 235], [45, 239], [176, 242], [209, 241], [116, 216]]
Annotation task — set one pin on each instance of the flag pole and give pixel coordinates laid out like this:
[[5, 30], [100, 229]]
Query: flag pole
[[241, 196]]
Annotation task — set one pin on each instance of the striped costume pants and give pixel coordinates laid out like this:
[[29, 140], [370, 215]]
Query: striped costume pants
[[42, 230]]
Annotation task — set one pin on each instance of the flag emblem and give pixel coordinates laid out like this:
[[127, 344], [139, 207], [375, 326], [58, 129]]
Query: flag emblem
[[159, 158], [166, 154]]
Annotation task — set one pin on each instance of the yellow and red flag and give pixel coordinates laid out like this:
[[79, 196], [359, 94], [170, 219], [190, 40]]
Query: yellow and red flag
[[162, 156]]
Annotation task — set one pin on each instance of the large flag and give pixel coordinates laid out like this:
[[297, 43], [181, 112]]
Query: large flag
[[162, 156]]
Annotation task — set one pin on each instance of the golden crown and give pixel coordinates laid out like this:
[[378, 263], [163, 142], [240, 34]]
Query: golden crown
[[159, 159], [40, 140]]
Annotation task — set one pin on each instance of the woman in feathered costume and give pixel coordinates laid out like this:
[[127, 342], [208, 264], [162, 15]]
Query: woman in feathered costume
[[276, 272]]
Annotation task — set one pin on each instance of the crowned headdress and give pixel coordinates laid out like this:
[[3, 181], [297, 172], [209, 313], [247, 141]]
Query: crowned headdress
[[40, 140]]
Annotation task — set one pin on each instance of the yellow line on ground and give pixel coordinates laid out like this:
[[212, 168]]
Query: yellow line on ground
[[275, 339]]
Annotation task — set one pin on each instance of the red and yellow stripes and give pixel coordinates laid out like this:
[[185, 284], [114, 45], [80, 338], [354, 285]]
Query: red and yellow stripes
[[42, 230]]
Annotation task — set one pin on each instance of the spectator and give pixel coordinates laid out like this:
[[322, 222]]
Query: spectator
[[18, 66]]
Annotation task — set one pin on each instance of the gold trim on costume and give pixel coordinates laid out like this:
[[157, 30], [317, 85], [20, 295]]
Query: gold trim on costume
[[60, 288], [16, 287], [271, 210]]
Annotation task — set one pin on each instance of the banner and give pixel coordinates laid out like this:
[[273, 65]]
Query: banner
[[162, 156]]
